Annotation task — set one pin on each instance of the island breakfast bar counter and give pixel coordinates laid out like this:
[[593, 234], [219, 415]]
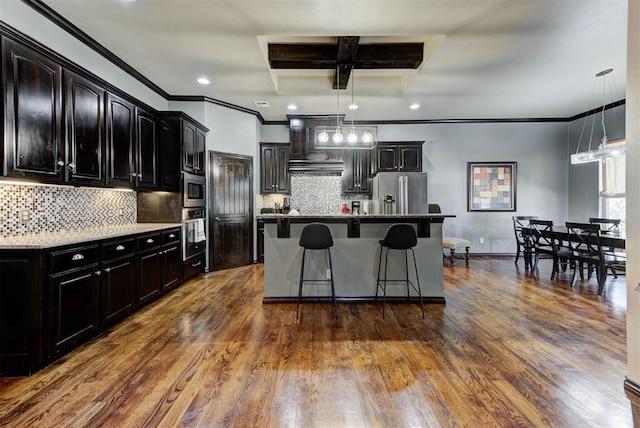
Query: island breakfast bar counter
[[354, 257]]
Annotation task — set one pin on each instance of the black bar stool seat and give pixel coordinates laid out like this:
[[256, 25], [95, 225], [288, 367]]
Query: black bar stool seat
[[402, 237], [316, 236]]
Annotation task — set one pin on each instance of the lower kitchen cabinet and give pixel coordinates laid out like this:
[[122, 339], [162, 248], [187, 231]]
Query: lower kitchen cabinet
[[54, 299], [193, 266], [117, 289], [73, 307]]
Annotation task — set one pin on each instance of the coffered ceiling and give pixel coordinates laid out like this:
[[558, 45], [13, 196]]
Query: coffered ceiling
[[482, 59]]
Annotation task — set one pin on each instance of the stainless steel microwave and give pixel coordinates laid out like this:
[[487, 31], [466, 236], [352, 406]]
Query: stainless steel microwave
[[193, 190]]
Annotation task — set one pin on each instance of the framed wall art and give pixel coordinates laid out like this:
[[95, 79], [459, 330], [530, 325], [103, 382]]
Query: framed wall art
[[491, 186]]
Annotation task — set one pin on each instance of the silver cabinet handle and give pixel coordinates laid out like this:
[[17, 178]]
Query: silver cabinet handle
[[196, 264], [98, 273], [60, 163], [217, 218], [72, 167], [150, 241], [120, 248], [77, 257], [172, 236], [107, 270], [133, 174], [140, 176]]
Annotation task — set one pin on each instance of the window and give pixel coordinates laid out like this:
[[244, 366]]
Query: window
[[613, 193]]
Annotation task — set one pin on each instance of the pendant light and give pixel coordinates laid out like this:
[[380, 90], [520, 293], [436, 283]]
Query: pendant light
[[352, 138], [337, 137]]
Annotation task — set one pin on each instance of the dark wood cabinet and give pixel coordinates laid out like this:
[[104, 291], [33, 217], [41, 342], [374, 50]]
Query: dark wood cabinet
[[405, 156], [146, 150], [193, 266], [120, 142], [33, 146], [84, 136], [117, 288], [356, 177], [274, 168], [170, 157], [260, 240], [73, 296], [170, 260], [20, 312], [193, 148]]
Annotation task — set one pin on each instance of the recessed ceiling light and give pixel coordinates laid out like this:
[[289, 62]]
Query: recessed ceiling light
[[292, 107], [203, 81], [261, 103], [353, 107], [414, 106]]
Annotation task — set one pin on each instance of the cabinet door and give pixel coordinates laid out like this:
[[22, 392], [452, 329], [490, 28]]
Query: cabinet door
[[20, 312], [32, 114], [274, 168], [73, 308], [355, 177], [171, 263], [188, 147], [282, 177], [365, 183], [169, 130], [200, 148], [410, 158], [147, 150], [118, 286], [84, 115], [120, 142], [148, 284], [386, 158], [260, 240]]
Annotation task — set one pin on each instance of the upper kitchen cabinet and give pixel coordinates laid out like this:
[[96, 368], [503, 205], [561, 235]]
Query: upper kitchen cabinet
[[131, 145], [193, 147], [146, 150], [274, 173], [84, 136], [33, 146], [403, 156], [183, 137], [356, 177], [120, 142]]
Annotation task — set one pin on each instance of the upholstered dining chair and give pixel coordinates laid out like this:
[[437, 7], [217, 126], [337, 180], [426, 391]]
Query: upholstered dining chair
[[450, 243]]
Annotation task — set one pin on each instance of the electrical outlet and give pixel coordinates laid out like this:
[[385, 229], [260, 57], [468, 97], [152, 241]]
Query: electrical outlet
[[328, 273], [482, 240], [25, 216]]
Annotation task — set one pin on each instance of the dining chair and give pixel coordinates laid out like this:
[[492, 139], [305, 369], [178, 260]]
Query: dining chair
[[522, 243], [617, 258], [542, 244], [586, 249]]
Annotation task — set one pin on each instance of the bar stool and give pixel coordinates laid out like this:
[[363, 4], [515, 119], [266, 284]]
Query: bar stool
[[316, 236], [398, 237]]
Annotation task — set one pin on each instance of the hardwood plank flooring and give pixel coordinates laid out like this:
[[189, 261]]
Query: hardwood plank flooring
[[509, 348]]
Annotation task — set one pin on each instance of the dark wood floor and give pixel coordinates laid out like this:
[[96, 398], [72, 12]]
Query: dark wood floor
[[508, 349]]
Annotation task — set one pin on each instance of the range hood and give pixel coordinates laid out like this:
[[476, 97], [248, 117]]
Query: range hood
[[319, 166]]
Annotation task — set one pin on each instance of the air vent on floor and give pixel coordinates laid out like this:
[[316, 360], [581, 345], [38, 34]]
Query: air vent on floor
[[261, 103]]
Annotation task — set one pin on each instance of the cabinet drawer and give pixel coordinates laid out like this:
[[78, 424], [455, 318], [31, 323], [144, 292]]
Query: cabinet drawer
[[149, 241], [172, 235], [74, 258], [193, 266], [119, 247]]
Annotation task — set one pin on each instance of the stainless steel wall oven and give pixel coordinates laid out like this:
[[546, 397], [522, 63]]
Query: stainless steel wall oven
[[194, 233]]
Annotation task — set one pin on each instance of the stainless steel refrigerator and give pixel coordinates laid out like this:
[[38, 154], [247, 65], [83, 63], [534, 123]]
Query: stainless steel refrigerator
[[401, 192]]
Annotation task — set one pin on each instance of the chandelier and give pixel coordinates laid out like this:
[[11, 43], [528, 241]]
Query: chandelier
[[605, 149], [359, 137]]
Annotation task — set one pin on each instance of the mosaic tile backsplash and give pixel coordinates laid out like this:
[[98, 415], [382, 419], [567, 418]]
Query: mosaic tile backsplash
[[314, 194], [59, 208]]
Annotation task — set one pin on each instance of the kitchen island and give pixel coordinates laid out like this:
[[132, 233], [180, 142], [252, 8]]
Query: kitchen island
[[354, 256]]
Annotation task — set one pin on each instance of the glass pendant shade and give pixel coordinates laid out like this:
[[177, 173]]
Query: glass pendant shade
[[323, 137], [353, 136], [337, 137], [367, 138]]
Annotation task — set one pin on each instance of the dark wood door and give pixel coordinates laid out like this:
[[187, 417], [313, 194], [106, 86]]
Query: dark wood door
[[386, 158], [120, 142], [170, 261], [201, 144], [147, 150], [274, 172], [230, 210], [169, 129], [355, 177], [33, 114], [410, 158], [188, 147], [148, 285], [84, 104]]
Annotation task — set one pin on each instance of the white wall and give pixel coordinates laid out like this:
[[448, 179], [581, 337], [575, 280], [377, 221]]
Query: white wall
[[26, 20], [633, 196]]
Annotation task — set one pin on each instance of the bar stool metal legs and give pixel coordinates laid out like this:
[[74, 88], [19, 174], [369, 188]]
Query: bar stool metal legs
[[398, 237], [316, 236]]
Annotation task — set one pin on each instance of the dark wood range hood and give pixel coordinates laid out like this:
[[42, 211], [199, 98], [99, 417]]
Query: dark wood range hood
[[326, 166]]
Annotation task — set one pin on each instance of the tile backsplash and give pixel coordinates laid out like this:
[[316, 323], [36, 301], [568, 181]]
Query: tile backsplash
[[313, 194], [57, 208]]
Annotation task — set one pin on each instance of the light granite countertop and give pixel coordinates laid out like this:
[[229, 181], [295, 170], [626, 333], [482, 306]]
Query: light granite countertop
[[79, 236]]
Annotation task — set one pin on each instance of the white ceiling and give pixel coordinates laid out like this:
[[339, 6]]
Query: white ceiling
[[484, 59]]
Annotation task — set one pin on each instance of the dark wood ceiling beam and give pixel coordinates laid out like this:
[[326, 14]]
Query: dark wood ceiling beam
[[347, 51], [302, 56], [390, 55]]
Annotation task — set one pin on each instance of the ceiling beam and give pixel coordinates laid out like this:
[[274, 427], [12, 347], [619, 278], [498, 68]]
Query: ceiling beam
[[347, 50]]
